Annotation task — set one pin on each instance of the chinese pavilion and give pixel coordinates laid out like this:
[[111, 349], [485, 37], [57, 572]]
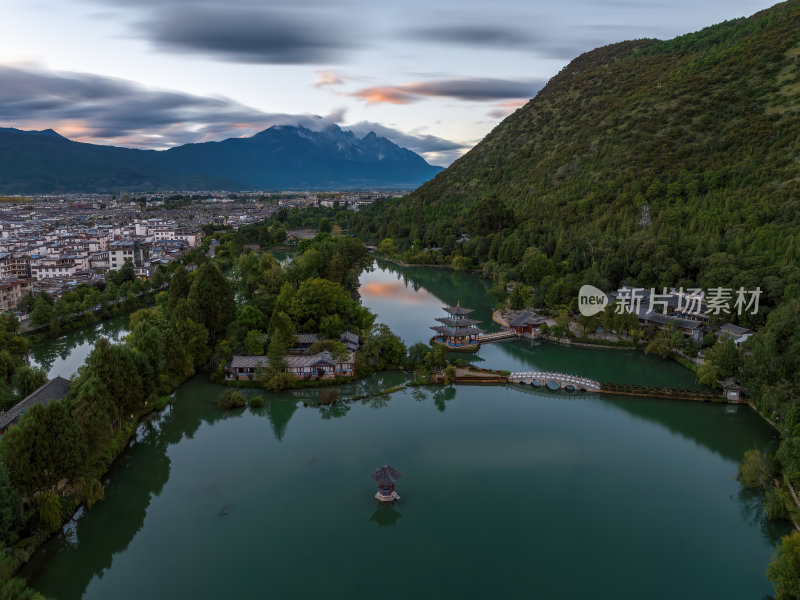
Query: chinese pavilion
[[386, 476], [457, 329]]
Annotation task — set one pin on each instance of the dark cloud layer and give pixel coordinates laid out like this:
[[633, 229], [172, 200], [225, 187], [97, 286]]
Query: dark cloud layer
[[247, 34], [462, 88], [100, 107], [474, 34], [108, 110]]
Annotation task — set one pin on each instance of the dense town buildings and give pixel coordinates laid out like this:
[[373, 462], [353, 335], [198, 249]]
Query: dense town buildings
[[51, 243]]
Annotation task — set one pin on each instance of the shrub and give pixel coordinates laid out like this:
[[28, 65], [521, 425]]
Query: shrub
[[256, 402], [231, 399]]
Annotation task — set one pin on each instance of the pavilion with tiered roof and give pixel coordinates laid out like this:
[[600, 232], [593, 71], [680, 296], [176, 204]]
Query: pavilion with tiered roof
[[457, 329]]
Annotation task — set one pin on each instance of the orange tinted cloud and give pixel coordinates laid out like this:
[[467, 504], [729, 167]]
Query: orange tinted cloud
[[473, 89], [386, 94], [327, 78]]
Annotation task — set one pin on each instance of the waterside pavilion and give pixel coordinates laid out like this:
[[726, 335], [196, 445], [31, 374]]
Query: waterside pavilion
[[457, 329], [386, 476]]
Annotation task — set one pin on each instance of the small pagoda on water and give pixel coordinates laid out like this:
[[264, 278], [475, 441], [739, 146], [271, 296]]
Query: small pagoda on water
[[386, 476], [457, 329]]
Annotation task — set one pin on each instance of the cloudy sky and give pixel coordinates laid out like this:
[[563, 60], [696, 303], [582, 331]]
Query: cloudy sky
[[432, 76]]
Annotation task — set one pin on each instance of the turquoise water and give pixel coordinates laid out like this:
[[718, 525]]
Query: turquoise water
[[507, 492]]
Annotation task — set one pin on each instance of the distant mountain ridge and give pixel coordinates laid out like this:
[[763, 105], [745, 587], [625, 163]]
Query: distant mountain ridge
[[281, 157]]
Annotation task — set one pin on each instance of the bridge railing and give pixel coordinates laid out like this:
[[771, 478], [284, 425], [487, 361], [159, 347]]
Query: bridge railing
[[563, 378]]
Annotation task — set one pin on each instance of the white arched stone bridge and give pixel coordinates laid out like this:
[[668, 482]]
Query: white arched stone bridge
[[563, 380]]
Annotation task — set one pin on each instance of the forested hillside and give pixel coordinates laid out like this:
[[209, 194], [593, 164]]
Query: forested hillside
[[649, 162]]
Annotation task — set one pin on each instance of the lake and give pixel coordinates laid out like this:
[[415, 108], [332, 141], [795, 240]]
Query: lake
[[506, 492]]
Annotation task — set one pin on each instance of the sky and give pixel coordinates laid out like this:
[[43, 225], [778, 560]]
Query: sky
[[434, 77]]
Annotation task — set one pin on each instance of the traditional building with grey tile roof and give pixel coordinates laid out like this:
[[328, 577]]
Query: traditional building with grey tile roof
[[55, 389]]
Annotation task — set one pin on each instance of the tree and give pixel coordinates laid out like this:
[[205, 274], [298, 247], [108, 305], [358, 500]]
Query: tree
[[254, 342], [27, 380], [114, 365], [26, 304], [387, 247], [437, 357], [251, 318], [460, 263], [44, 448], [49, 510], [231, 399], [317, 298], [661, 344], [179, 286], [332, 326], [755, 471], [286, 294], [520, 296], [340, 353], [784, 570], [708, 374], [283, 329], [498, 293], [43, 315], [10, 508], [211, 300], [93, 410], [589, 323], [148, 339], [13, 588], [125, 273], [193, 337], [384, 348], [416, 356], [276, 354], [449, 375], [789, 457], [724, 355]]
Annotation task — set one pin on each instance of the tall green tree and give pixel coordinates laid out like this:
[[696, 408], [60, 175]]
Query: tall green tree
[[43, 315], [94, 410], [211, 300], [44, 448], [114, 365], [179, 286], [10, 508]]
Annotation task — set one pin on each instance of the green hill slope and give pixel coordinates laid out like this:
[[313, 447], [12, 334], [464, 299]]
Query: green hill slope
[[651, 162]]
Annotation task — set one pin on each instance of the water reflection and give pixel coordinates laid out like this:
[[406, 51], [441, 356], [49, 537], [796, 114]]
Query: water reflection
[[751, 504], [109, 529], [279, 412], [63, 356], [385, 516]]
